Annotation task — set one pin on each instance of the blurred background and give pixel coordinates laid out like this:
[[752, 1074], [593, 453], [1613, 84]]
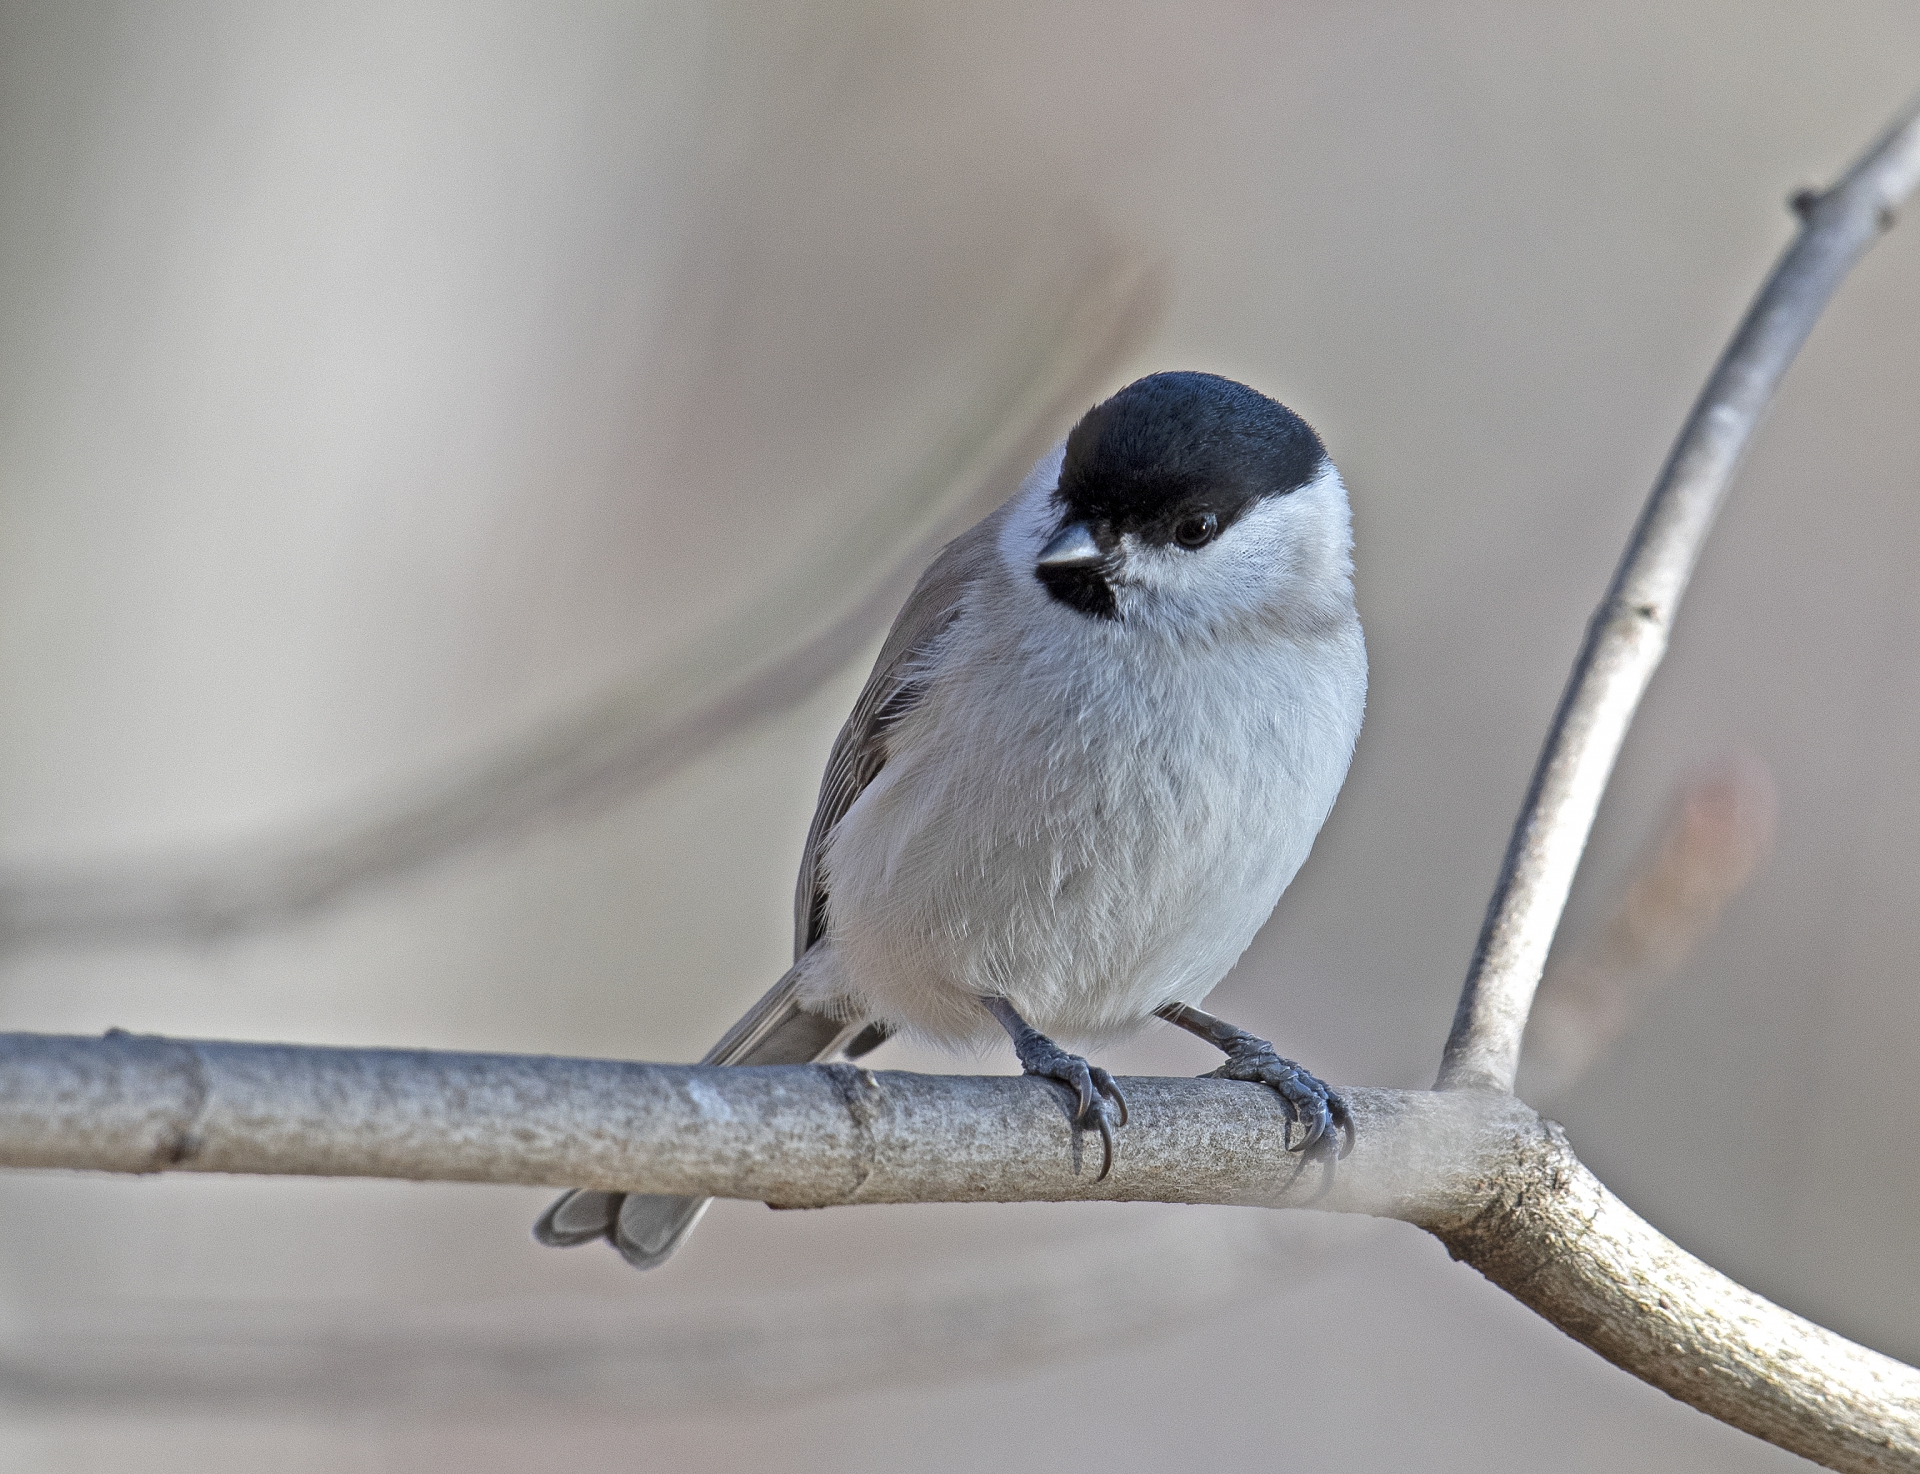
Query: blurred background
[[456, 462]]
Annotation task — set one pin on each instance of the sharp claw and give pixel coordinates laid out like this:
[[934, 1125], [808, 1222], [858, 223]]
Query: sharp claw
[[1344, 1119], [1293, 1120], [1111, 1091], [1326, 1125], [1106, 1144], [1316, 1129]]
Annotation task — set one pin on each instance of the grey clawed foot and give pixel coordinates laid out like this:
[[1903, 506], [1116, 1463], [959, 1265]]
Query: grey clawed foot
[[1325, 1123], [1096, 1096], [1313, 1106]]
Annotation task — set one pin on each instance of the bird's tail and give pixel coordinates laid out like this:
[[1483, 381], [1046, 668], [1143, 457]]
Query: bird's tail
[[646, 1228]]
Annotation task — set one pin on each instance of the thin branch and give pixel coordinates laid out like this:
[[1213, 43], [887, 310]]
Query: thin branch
[[759, 661], [1496, 1183], [1628, 635]]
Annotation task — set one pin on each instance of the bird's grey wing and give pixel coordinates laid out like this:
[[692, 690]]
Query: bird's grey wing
[[860, 751], [647, 1228]]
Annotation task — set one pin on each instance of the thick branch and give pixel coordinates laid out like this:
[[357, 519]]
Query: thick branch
[[801, 1136], [1558, 1241], [1628, 635], [1497, 1184]]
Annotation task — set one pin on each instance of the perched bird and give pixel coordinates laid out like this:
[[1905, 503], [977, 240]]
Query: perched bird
[[1096, 746]]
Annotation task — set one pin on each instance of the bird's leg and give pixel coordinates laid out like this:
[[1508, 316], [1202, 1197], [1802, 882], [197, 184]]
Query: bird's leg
[[1096, 1095], [1314, 1106]]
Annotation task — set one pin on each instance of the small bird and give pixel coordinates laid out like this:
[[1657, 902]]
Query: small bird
[[1097, 745]]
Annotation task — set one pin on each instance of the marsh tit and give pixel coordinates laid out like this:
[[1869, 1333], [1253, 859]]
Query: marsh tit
[[1096, 746]]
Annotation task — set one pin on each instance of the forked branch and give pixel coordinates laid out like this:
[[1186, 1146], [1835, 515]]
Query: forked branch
[[1497, 1184]]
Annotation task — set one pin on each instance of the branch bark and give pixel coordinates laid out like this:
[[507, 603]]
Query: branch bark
[[1496, 1183]]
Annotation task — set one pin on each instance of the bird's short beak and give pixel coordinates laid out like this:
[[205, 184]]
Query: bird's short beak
[[1074, 547]]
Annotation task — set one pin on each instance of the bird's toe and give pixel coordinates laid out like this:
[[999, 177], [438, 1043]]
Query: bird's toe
[[1099, 1104]]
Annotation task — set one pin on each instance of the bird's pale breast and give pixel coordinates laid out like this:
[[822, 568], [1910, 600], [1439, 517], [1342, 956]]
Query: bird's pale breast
[[1090, 832]]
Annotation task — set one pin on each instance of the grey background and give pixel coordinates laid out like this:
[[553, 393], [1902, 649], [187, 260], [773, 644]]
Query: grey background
[[376, 379]]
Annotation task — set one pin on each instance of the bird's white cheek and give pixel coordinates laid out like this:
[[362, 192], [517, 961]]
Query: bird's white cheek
[[1220, 579]]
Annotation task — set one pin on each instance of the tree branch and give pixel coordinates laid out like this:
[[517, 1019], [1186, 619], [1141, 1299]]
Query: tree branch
[[1628, 635], [799, 1136], [1497, 1184]]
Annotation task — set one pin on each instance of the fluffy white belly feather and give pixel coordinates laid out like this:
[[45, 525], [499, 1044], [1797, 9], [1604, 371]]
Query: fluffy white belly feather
[[1090, 823]]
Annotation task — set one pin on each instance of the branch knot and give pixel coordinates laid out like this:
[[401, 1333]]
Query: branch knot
[[860, 1092]]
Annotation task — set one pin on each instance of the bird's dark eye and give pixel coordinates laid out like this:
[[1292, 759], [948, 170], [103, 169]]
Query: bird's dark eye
[[1196, 529]]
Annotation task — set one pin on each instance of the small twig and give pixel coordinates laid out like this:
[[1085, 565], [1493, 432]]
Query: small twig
[[1628, 635]]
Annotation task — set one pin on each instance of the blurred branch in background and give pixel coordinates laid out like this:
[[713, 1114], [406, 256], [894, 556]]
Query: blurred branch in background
[[974, 1315], [1717, 835], [763, 658]]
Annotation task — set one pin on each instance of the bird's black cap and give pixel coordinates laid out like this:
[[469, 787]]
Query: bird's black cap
[[1173, 444]]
